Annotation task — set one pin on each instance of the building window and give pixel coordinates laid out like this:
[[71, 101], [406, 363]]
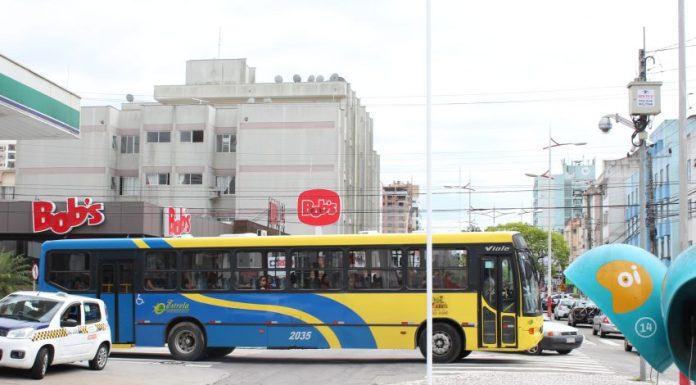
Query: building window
[[225, 184], [113, 183], [159, 137], [190, 178], [191, 136], [128, 185], [114, 142], [157, 179], [226, 143], [130, 144]]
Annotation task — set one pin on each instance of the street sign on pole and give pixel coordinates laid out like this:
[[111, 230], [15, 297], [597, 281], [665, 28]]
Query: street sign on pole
[[34, 275], [34, 271]]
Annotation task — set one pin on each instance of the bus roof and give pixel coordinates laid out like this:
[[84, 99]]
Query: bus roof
[[281, 241]]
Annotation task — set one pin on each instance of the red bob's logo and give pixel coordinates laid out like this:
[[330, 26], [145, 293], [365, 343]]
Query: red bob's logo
[[318, 207], [176, 221], [75, 215]]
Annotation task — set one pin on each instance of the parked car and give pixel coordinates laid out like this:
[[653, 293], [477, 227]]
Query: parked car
[[42, 329], [583, 313], [554, 300], [561, 338], [563, 308], [602, 324]]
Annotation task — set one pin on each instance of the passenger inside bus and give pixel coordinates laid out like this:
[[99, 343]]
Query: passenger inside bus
[[188, 282], [264, 283]]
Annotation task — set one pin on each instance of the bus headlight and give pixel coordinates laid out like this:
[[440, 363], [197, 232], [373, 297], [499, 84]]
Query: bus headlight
[[21, 333]]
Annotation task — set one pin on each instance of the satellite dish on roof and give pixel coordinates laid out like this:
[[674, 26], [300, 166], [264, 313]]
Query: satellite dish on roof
[[320, 78], [310, 78], [278, 79], [333, 77], [129, 97], [296, 78]]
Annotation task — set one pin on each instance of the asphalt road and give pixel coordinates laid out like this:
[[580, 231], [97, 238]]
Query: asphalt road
[[598, 361]]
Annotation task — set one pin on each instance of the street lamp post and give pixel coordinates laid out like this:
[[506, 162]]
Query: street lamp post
[[547, 174], [639, 131]]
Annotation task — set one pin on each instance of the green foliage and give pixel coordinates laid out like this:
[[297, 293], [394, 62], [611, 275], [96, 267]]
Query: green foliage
[[472, 228], [537, 240], [14, 273]]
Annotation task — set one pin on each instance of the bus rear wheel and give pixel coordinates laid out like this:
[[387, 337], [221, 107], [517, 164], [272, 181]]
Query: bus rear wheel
[[447, 344], [186, 342]]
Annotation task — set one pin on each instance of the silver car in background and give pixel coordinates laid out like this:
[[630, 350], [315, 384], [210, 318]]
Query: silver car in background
[[602, 325]]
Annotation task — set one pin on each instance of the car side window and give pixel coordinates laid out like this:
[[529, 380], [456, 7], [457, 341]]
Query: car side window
[[92, 313], [72, 315]]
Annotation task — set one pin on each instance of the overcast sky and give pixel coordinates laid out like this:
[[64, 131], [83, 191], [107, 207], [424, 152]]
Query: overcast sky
[[504, 72]]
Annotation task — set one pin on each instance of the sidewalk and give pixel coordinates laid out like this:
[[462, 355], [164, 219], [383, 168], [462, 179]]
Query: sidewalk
[[520, 378]]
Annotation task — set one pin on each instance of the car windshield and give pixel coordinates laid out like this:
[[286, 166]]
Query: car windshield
[[28, 308]]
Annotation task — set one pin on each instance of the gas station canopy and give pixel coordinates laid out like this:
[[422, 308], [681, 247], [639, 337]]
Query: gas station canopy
[[33, 107]]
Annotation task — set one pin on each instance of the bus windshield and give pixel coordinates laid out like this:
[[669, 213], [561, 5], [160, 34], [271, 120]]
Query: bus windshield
[[530, 284]]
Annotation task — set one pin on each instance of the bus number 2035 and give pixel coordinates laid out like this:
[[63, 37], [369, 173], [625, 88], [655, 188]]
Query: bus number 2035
[[300, 336]]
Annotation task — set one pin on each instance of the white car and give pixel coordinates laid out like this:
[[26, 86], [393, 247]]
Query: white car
[[563, 308], [561, 338], [41, 329]]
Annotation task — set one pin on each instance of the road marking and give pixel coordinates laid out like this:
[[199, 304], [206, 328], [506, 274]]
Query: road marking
[[576, 362], [612, 343]]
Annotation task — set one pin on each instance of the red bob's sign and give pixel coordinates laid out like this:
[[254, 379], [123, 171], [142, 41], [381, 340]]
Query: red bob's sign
[[318, 207], [176, 221], [45, 218]]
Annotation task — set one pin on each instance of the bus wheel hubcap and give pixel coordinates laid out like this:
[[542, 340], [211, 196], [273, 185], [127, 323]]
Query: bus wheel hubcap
[[442, 343], [186, 342]]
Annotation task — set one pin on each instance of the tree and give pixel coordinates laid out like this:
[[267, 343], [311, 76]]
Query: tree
[[537, 240], [472, 228], [14, 273]]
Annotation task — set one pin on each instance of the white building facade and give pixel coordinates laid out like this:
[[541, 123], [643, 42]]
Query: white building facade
[[221, 146]]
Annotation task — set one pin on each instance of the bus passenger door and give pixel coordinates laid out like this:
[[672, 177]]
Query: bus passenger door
[[498, 307], [115, 288]]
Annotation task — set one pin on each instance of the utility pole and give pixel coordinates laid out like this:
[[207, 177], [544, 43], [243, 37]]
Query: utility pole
[[589, 193], [652, 214]]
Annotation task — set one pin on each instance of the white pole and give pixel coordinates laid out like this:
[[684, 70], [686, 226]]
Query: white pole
[[429, 235], [549, 283], [683, 155]]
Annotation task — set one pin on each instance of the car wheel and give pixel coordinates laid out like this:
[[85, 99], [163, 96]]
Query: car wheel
[[627, 347], [186, 342], [564, 351], [594, 331], [447, 343], [38, 370], [100, 358], [536, 350], [218, 352], [602, 334]]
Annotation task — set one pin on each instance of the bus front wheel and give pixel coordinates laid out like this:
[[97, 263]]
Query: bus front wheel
[[186, 342], [447, 345]]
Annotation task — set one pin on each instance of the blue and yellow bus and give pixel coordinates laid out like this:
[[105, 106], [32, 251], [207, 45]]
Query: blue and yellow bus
[[204, 297]]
